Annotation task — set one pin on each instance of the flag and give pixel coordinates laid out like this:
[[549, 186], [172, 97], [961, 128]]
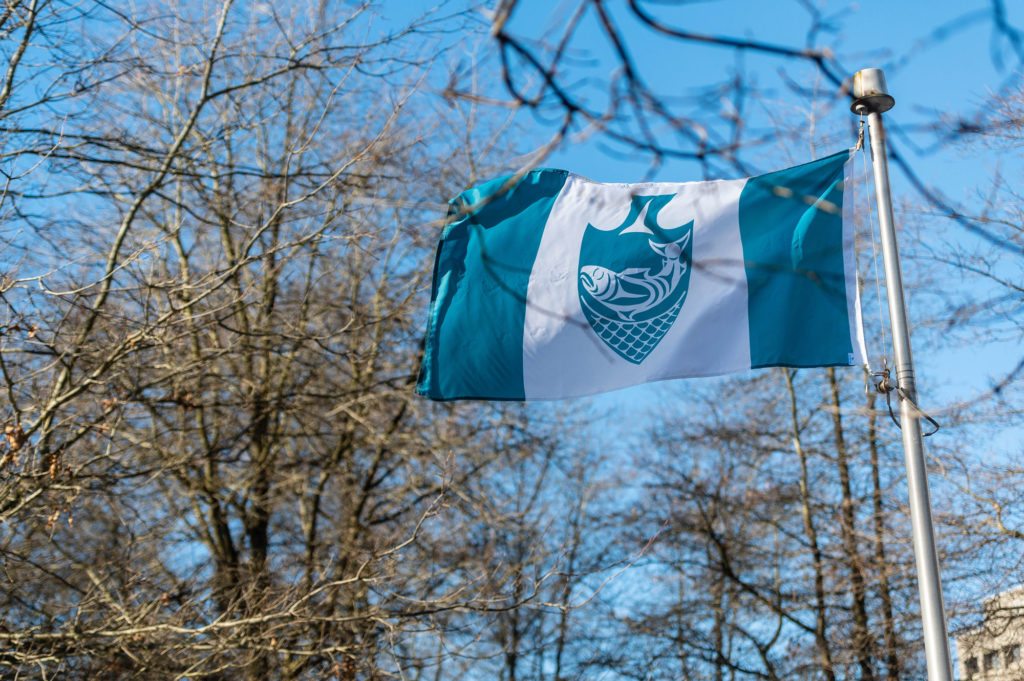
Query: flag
[[550, 285]]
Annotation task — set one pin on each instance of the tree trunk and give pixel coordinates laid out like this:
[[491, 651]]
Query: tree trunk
[[863, 642], [820, 608], [892, 660]]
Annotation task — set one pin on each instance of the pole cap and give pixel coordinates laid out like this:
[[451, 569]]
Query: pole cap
[[870, 95]]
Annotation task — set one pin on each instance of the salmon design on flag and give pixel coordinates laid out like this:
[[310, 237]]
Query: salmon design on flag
[[632, 299]]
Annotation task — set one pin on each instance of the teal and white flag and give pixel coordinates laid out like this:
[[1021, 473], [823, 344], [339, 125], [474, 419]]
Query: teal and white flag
[[551, 285]]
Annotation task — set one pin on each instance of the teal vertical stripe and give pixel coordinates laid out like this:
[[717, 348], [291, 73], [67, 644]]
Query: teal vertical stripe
[[474, 344], [791, 227]]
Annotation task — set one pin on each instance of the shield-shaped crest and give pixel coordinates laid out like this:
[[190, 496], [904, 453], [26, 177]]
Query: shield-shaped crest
[[633, 279]]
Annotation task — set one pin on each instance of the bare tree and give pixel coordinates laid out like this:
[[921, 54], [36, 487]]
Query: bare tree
[[217, 219], [214, 464], [754, 574]]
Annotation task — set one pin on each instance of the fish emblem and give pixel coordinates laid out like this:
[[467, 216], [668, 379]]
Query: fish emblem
[[633, 279]]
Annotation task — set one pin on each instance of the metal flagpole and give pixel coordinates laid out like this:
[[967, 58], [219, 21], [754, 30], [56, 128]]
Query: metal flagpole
[[872, 98]]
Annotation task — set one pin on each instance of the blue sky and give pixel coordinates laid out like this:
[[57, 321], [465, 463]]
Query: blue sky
[[930, 75]]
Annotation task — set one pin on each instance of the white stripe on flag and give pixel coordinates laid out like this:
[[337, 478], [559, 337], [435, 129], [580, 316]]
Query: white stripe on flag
[[851, 269], [562, 354]]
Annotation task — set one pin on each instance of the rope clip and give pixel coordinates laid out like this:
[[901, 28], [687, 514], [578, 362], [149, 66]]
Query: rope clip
[[886, 386], [883, 382]]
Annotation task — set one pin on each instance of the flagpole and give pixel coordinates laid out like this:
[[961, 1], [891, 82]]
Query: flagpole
[[872, 98]]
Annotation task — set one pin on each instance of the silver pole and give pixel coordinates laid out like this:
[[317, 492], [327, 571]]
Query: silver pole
[[872, 98]]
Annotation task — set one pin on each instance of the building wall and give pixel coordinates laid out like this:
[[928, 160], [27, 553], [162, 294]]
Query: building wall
[[993, 652]]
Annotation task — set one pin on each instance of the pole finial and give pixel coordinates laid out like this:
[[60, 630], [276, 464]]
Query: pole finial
[[870, 95]]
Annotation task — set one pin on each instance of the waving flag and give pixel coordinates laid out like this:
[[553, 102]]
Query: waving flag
[[551, 285]]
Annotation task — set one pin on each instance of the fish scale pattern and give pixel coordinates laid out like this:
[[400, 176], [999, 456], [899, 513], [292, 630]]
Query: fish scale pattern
[[634, 341]]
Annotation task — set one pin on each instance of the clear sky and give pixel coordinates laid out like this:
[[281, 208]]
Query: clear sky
[[940, 58]]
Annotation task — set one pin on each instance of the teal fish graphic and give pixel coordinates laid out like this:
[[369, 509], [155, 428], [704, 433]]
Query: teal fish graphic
[[633, 279]]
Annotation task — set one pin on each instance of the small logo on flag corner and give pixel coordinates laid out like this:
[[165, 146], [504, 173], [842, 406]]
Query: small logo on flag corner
[[633, 278]]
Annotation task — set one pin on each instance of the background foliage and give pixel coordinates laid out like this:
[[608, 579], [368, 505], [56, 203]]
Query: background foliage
[[217, 225]]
